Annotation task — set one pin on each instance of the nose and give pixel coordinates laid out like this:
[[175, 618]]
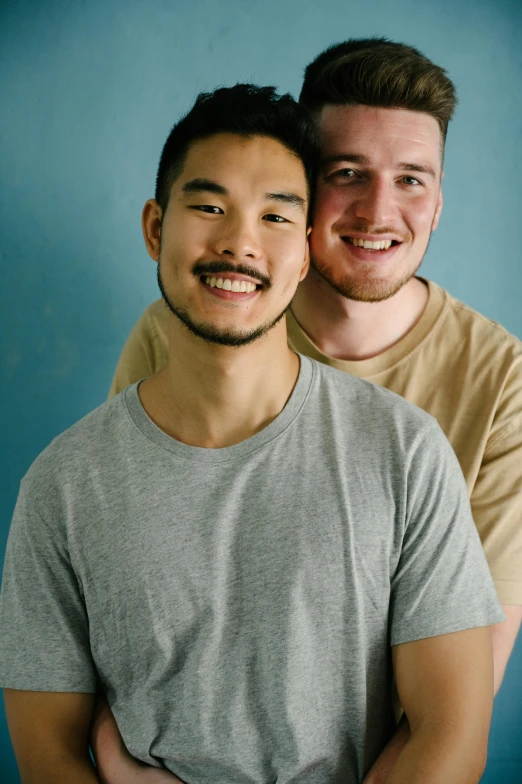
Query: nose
[[376, 204], [238, 239]]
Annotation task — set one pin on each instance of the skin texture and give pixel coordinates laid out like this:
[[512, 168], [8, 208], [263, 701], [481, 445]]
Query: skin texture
[[370, 186], [213, 395], [50, 736], [445, 685], [354, 305], [503, 637], [242, 228]]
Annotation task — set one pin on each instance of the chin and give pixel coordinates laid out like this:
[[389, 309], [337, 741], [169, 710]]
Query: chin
[[361, 289]]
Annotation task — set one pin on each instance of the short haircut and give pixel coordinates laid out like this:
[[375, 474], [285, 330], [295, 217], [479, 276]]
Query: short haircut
[[246, 110], [382, 73]]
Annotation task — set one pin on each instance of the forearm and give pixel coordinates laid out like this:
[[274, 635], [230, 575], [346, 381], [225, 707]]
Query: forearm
[[503, 636], [114, 763], [58, 767], [126, 770], [439, 755]]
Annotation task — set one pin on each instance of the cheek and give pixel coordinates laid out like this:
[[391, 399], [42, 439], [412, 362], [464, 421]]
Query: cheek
[[286, 254], [330, 204], [193, 234], [420, 216], [185, 240]]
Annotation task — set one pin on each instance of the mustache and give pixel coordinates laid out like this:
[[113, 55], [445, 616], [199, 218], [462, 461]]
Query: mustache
[[366, 228], [215, 267]]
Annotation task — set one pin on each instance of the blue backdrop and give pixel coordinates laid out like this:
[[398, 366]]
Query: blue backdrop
[[89, 91]]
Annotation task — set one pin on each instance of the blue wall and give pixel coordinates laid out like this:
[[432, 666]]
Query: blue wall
[[89, 91]]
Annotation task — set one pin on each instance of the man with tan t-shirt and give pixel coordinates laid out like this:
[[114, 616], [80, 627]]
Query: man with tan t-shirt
[[363, 310]]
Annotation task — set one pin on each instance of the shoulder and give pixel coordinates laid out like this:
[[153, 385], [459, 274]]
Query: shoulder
[[155, 317], [370, 408], [90, 445], [151, 329], [485, 336], [146, 349], [489, 357]]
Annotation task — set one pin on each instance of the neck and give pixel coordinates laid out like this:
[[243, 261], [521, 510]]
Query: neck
[[345, 329], [215, 396]]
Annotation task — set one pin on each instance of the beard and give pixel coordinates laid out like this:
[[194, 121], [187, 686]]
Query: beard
[[209, 332], [364, 287]]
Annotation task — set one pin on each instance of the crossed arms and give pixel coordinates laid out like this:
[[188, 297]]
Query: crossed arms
[[445, 685]]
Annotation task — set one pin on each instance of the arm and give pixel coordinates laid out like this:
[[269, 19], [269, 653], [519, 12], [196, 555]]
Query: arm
[[445, 685], [49, 732], [114, 763], [503, 637]]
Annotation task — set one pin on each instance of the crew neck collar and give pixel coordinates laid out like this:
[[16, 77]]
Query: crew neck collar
[[364, 368], [291, 410]]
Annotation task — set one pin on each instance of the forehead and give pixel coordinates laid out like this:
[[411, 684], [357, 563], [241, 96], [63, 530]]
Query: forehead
[[258, 162], [380, 134]]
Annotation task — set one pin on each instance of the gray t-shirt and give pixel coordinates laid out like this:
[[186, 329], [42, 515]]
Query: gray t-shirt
[[238, 605]]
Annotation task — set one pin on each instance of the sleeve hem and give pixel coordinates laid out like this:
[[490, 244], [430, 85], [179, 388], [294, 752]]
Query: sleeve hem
[[424, 633], [28, 684]]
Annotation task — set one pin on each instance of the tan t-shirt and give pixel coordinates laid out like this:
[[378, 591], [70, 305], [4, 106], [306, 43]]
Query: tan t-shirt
[[463, 369]]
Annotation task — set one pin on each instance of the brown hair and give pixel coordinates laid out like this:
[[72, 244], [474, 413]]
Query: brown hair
[[378, 72]]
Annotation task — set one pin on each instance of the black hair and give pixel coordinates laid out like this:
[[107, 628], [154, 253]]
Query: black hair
[[246, 110]]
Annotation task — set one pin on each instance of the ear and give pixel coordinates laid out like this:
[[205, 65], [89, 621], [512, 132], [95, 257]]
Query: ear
[[306, 262], [151, 227], [438, 209]]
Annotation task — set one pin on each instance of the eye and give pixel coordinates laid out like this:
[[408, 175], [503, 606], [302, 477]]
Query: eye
[[209, 208], [411, 181], [275, 218], [344, 174]]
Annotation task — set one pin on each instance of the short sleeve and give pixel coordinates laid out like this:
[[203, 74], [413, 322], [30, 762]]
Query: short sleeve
[[442, 583], [146, 349], [44, 628], [496, 498]]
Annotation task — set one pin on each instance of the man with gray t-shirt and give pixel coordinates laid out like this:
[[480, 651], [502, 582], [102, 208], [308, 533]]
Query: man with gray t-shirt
[[244, 549]]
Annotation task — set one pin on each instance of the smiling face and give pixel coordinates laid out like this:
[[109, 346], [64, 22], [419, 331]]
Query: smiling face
[[232, 245], [378, 198]]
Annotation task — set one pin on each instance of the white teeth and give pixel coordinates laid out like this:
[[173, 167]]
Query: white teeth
[[230, 285], [379, 245]]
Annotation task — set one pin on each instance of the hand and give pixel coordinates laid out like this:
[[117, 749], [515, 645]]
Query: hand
[[114, 763], [385, 761]]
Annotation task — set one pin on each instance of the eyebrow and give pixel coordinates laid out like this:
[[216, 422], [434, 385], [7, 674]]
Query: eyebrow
[[417, 167], [349, 157], [287, 198], [202, 185], [364, 161]]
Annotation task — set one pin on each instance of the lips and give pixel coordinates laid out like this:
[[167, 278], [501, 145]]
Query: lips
[[373, 250], [231, 287], [230, 283]]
